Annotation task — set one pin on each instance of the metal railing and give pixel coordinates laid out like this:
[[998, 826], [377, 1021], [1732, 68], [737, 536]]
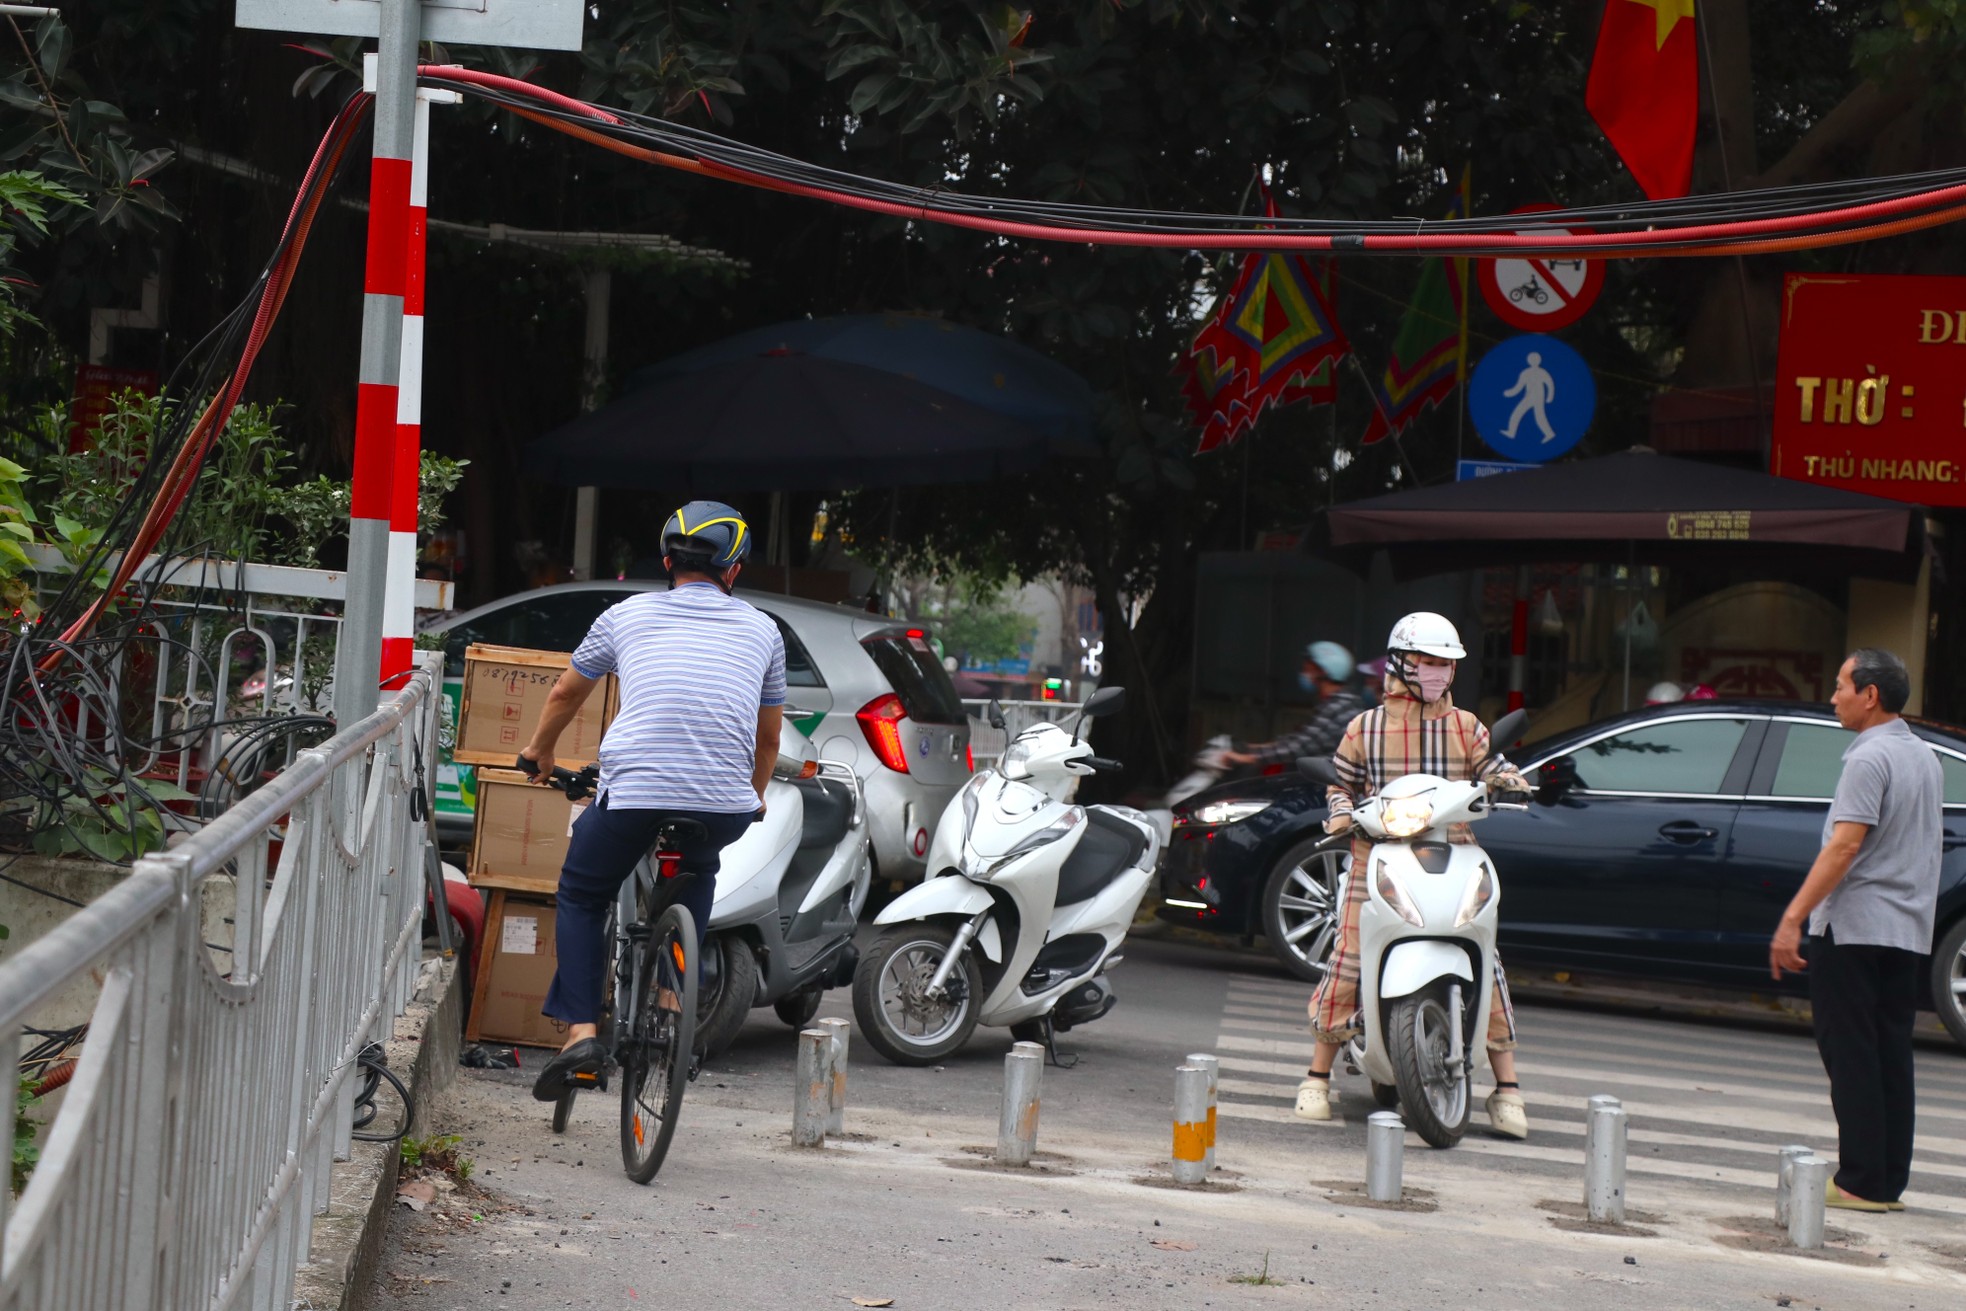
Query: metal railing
[[192, 1150], [986, 744]]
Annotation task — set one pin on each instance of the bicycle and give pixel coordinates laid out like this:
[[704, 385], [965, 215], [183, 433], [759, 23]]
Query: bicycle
[[653, 949]]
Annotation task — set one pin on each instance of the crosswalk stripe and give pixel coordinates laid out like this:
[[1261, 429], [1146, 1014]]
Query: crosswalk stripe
[[1663, 1167], [1939, 1087]]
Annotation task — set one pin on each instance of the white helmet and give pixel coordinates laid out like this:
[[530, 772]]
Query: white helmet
[[1664, 694], [1428, 634]]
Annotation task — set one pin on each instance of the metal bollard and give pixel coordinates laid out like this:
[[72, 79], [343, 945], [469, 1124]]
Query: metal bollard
[[1017, 1121], [1808, 1178], [1214, 1068], [836, 1084], [1785, 1164], [1385, 1150], [1604, 1161], [812, 1099], [1190, 1124]]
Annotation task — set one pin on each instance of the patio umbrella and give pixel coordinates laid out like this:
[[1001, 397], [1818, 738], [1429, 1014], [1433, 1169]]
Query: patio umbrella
[[1634, 506], [785, 421], [982, 368]]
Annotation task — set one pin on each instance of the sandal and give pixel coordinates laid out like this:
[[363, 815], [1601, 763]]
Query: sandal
[[564, 1073]]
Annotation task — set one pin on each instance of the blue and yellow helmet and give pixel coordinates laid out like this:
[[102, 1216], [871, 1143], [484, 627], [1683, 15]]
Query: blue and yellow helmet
[[706, 535]]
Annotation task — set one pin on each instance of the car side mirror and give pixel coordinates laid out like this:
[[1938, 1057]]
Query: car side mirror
[[1318, 769], [1557, 776], [1106, 701]]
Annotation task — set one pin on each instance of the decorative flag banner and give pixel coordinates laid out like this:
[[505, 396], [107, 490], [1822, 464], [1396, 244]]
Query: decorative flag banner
[[1428, 358], [1272, 340], [1644, 90]]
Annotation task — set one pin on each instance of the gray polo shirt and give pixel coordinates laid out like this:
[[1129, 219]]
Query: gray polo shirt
[[1891, 782]]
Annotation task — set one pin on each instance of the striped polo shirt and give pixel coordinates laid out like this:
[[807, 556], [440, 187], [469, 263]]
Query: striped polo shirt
[[695, 667]]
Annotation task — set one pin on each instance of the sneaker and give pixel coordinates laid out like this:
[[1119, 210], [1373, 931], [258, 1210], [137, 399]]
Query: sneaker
[[1506, 1114], [1313, 1100]]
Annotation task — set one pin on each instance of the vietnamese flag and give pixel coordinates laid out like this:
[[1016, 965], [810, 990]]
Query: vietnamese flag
[[1644, 90]]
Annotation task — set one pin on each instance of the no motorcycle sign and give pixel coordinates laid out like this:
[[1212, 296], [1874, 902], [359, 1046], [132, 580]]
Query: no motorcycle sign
[[1537, 293]]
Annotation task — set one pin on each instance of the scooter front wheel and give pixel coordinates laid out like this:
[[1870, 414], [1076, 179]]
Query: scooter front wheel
[[891, 1003], [1433, 1092]]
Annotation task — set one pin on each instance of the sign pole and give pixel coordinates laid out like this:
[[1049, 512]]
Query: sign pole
[[358, 658]]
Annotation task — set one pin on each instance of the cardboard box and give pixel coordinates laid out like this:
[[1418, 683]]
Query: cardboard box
[[515, 968], [505, 690], [519, 840]]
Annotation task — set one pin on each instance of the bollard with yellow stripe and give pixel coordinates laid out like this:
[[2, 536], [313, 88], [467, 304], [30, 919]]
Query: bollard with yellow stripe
[[1214, 1068], [1190, 1124]]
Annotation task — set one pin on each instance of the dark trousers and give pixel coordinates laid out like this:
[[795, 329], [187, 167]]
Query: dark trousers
[[605, 847], [1865, 1000]]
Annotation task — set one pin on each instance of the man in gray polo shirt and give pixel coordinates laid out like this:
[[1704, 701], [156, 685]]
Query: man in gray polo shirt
[[1869, 901]]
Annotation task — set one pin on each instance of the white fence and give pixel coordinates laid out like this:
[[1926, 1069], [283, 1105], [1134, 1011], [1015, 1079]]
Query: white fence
[[987, 744], [192, 1149]]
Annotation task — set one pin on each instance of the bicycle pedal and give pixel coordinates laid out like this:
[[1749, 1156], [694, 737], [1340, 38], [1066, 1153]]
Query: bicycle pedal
[[596, 1080]]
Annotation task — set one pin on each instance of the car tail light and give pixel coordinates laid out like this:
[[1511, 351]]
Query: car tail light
[[880, 719], [969, 757]]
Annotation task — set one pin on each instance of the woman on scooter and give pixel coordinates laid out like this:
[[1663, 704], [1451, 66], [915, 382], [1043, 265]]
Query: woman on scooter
[[1417, 730]]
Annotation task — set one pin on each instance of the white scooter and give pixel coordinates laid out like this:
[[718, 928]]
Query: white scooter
[[1027, 901], [789, 895], [1426, 943]]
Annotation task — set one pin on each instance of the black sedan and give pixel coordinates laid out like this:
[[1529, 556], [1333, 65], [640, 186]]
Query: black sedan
[[1666, 842]]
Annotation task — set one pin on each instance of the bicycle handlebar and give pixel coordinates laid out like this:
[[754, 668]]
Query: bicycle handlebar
[[576, 784]]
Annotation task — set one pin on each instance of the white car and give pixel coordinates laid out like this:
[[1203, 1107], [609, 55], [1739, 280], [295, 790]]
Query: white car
[[868, 691]]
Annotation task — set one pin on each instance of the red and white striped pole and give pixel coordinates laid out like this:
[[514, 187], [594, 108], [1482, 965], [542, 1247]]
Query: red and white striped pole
[[399, 591], [358, 655]]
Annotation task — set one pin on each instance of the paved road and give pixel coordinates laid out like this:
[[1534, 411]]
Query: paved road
[[740, 1218]]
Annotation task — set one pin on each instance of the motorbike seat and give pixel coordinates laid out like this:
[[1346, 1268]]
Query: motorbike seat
[[828, 812], [1110, 847]]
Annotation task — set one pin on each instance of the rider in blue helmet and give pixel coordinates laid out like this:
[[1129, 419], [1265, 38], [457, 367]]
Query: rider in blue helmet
[[1327, 671], [702, 696]]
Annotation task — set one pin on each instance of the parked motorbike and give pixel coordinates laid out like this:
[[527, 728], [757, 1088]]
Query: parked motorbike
[[788, 897], [1027, 902], [1426, 942]]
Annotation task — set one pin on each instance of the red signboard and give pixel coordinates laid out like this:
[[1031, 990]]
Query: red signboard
[[1870, 392]]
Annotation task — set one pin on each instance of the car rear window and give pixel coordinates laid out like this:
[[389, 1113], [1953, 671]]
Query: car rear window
[[1812, 760], [908, 663], [799, 669]]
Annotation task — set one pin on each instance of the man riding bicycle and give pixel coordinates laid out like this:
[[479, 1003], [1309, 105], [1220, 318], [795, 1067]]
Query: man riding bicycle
[[702, 696]]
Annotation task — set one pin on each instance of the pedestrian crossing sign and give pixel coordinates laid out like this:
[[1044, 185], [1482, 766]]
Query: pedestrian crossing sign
[[1532, 398]]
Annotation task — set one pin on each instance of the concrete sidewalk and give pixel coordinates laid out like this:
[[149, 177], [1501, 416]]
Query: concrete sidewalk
[[908, 1209]]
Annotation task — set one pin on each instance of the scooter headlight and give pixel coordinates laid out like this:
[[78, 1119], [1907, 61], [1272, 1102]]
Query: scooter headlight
[[1393, 893], [1480, 891], [1016, 759], [1405, 817]]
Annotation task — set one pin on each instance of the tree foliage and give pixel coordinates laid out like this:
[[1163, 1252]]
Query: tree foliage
[[1355, 107]]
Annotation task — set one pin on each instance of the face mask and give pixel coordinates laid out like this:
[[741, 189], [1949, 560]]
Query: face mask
[[1433, 681], [1306, 681]]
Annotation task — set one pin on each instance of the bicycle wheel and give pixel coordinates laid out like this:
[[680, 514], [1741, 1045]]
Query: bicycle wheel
[[658, 1029]]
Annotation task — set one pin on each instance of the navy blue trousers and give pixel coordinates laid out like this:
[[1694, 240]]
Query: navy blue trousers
[[603, 852]]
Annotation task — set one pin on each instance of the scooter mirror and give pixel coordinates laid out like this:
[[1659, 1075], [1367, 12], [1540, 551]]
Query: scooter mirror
[[1507, 729], [1106, 701], [994, 716], [1318, 769]]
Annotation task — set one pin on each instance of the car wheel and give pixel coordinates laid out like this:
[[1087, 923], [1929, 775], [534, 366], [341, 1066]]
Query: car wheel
[[1949, 979], [1300, 905]]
